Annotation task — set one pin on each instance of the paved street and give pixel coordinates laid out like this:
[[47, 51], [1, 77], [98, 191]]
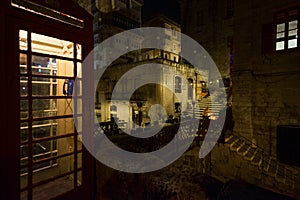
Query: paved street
[[179, 182]]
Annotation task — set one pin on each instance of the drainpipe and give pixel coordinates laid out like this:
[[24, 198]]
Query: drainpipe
[[270, 138]]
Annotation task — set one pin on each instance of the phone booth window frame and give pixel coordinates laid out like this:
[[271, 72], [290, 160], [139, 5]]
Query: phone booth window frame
[[13, 19]]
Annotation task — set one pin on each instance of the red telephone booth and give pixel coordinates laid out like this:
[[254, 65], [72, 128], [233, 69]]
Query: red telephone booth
[[43, 45]]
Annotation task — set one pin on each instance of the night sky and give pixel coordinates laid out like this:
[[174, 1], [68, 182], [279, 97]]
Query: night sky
[[169, 8]]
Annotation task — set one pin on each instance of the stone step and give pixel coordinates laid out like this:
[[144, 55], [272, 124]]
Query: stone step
[[244, 149], [209, 105], [250, 154], [266, 164], [228, 138], [232, 140], [280, 175], [257, 159], [191, 111], [289, 177], [216, 107], [237, 145], [272, 167]]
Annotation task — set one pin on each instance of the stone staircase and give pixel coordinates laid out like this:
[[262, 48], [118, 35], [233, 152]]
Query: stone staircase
[[202, 104], [284, 175]]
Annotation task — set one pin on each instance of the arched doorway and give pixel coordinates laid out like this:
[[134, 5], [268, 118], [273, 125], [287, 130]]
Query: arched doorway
[[190, 89]]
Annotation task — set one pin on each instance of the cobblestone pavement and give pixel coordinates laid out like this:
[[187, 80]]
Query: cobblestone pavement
[[175, 182], [179, 182]]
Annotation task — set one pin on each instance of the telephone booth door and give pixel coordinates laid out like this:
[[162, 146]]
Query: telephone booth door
[[43, 46]]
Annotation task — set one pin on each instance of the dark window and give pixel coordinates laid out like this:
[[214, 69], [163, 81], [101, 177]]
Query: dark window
[[177, 107], [190, 89], [288, 141], [200, 20], [178, 84], [229, 10], [113, 108], [225, 82]]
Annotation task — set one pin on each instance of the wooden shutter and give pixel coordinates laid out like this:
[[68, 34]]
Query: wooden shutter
[[268, 38]]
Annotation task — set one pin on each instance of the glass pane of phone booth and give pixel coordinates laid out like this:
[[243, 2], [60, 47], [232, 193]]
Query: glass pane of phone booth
[[50, 151]]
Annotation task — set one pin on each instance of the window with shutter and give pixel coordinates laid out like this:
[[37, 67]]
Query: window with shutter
[[287, 29], [267, 38]]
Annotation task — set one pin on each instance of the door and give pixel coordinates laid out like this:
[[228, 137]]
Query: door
[[44, 55]]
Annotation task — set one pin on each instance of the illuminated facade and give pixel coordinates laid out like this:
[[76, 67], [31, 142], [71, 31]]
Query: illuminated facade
[[112, 17], [183, 78], [172, 43]]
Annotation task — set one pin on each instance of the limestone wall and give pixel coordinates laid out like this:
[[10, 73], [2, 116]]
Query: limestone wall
[[265, 85]]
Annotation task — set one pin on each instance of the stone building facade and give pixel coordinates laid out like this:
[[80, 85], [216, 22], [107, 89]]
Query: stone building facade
[[211, 24], [256, 44], [178, 84], [112, 17], [263, 37], [172, 43], [265, 77]]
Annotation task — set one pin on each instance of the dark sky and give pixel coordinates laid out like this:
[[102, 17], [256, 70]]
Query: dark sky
[[169, 8]]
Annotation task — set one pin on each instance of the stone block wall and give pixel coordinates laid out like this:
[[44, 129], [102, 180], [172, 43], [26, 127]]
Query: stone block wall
[[207, 23], [265, 86], [274, 103], [242, 104]]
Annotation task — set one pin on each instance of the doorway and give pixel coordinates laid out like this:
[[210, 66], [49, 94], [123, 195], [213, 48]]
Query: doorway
[[45, 51], [50, 147]]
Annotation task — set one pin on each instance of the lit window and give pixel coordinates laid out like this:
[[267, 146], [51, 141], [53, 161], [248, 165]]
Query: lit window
[[287, 35], [293, 34], [287, 30], [280, 36]]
